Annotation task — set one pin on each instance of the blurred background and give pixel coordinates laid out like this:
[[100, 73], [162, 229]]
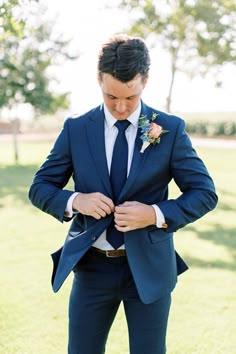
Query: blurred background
[[48, 59], [49, 56]]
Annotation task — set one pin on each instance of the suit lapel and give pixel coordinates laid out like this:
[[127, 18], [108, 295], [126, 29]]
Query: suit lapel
[[96, 141], [138, 157]]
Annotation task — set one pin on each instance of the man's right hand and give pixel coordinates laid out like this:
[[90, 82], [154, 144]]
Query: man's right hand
[[95, 204]]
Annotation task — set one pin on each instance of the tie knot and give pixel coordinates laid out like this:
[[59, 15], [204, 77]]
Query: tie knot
[[122, 125]]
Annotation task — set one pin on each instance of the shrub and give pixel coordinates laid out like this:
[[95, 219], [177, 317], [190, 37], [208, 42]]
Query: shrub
[[211, 128]]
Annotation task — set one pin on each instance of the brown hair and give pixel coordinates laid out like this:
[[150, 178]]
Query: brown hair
[[124, 57]]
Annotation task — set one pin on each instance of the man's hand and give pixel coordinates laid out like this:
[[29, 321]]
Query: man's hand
[[134, 215], [93, 204]]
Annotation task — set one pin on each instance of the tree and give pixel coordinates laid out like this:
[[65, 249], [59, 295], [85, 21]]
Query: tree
[[199, 35], [28, 51]]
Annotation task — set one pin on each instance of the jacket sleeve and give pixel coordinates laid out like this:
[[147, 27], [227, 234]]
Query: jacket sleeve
[[198, 195], [46, 191]]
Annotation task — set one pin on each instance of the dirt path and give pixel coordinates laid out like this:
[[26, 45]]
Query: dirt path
[[214, 142]]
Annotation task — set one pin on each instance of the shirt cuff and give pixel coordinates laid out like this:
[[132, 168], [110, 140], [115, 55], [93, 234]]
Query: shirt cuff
[[160, 219], [69, 211]]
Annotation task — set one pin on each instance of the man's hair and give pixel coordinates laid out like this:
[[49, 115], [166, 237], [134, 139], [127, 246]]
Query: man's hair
[[124, 57]]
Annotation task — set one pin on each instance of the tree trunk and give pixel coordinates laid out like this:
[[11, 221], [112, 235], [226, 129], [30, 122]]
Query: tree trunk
[[169, 97], [173, 72], [15, 128]]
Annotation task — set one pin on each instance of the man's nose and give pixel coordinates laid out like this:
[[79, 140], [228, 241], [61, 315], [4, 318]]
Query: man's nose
[[120, 106]]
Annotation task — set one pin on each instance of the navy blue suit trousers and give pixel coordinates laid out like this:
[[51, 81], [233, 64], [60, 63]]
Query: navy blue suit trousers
[[100, 285]]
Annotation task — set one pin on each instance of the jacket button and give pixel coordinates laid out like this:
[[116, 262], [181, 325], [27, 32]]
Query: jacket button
[[93, 238]]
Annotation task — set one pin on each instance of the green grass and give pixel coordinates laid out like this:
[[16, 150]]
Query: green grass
[[33, 320]]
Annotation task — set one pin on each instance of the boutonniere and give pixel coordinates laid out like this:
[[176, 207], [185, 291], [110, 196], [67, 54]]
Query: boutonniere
[[151, 132]]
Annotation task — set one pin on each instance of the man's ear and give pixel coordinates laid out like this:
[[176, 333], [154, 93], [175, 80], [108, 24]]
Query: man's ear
[[145, 81], [99, 79]]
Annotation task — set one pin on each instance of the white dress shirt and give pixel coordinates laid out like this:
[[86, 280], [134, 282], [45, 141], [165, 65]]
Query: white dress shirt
[[111, 132]]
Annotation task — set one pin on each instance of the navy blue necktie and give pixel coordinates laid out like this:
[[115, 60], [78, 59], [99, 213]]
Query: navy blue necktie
[[118, 176]]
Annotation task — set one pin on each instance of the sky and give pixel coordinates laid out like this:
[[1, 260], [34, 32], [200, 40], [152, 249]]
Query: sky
[[89, 25]]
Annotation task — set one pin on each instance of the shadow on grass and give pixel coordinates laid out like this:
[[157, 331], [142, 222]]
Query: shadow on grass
[[15, 181], [226, 194], [220, 235]]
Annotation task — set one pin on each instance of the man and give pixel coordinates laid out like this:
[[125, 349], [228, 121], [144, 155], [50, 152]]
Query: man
[[120, 243]]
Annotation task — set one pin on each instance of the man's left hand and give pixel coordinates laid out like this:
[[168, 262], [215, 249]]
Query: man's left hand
[[133, 215]]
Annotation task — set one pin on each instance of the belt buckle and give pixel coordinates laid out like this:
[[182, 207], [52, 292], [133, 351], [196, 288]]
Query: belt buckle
[[109, 255]]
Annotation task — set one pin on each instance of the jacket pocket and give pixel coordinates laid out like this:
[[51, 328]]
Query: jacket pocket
[[78, 226], [73, 234], [159, 236]]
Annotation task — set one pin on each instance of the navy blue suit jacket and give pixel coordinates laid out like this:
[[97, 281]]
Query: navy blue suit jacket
[[79, 151]]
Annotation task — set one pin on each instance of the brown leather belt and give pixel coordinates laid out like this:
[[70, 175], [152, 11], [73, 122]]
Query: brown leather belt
[[110, 253]]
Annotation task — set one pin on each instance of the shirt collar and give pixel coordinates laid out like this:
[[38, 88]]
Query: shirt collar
[[133, 118]]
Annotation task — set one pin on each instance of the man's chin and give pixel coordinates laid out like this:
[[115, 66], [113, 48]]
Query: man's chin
[[121, 116]]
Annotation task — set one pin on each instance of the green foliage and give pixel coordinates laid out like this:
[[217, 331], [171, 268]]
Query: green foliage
[[210, 124], [28, 52], [215, 31], [212, 128], [9, 24], [205, 28]]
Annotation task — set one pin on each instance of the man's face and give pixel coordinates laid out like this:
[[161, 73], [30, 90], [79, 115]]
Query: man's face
[[121, 98]]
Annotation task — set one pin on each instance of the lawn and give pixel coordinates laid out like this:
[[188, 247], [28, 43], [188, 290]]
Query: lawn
[[33, 320]]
